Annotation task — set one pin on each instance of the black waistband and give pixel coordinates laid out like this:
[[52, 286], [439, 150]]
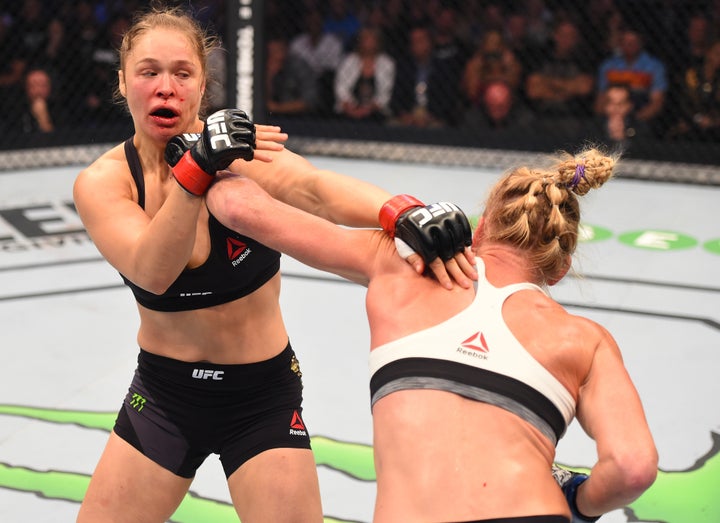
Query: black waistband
[[203, 373]]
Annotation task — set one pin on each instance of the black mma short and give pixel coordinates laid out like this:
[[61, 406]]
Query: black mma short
[[177, 413]]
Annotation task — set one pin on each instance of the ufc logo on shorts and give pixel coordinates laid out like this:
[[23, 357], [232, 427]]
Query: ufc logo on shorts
[[425, 214], [217, 128], [204, 374]]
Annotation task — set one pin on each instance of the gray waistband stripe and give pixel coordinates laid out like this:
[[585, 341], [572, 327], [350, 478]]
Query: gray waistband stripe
[[467, 391]]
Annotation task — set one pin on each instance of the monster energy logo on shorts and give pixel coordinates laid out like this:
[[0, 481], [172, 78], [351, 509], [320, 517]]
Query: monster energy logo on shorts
[[137, 402]]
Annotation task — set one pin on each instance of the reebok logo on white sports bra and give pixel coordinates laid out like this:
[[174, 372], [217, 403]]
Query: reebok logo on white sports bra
[[476, 342]]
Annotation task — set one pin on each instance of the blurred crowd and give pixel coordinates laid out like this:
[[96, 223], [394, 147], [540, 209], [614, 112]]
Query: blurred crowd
[[59, 62], [625, 68], [628, 68]]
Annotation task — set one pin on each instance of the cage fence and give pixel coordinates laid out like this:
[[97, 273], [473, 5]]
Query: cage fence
[[471, 82]]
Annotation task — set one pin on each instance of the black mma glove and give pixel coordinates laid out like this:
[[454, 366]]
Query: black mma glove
[[179, 145], [440, 229], [228, 135]]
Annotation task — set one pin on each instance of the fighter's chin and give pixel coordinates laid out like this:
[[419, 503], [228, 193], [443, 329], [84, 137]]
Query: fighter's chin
[[164, 122], [165, 129]]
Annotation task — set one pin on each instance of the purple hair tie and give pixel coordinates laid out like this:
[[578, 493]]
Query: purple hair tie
[[579, 175]]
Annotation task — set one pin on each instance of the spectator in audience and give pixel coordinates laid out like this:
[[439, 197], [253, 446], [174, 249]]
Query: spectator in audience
[[642, 72], [419, 13], [601, 23], [516, 37], [478, 18], [498, 108], [618, 124], [527, 51], [515, 32], [365, 80], [714, 12], [540, 20], [389, 17], [563, 83], [98, 103], [698, 38], [492, 62], [451, 53], [342, 21], [323, 52], [40, 112], [275, 15], [80, 90], [23, 41], [614, 30], [30, 30], [686, 50], [418, 90], [12, 71], [700, 99], [86, 28], [290, 87], [70, 70], [55, 52], [598, 11], [494, 16]]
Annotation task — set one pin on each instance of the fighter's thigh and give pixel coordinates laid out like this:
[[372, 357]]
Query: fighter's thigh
[[128, 487], [279, 485]]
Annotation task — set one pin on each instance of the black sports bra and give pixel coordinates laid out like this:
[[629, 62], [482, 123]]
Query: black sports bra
[[237, 265]]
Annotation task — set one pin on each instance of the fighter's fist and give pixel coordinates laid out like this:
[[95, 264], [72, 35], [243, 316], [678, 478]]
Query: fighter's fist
[[228, 135], [179, 145], [570, 488], [440, 229]]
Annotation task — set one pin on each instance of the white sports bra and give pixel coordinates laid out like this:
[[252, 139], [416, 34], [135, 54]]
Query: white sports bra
[[475, 355]]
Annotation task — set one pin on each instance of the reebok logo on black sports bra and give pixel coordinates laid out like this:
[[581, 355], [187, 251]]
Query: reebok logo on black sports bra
[[237, 251], [235, 267]]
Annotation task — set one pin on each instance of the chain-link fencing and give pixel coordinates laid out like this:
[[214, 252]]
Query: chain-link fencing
[[469, 82]]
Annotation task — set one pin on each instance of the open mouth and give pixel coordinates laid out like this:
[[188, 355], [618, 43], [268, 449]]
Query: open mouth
[[164, 113]]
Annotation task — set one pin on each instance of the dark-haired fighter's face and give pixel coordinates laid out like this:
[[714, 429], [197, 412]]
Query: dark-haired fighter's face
[[163, 83]]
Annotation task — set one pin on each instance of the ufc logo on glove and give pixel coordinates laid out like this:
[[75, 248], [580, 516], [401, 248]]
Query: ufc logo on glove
[[217, 128], [424, 214]]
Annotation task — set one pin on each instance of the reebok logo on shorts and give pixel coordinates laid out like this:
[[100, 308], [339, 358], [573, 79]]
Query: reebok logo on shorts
[[297, 427], [237, 251]]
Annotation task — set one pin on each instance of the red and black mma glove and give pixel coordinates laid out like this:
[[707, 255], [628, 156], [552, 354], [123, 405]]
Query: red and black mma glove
[[439, 229], [228, 135]]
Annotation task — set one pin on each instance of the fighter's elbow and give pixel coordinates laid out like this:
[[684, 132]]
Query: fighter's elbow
[[638, 471]]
